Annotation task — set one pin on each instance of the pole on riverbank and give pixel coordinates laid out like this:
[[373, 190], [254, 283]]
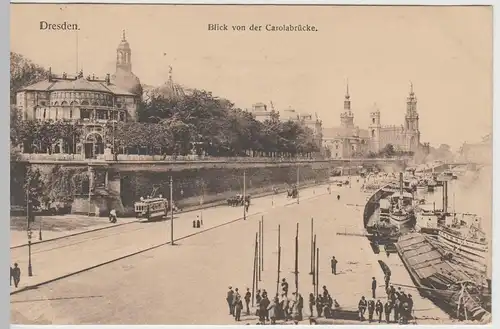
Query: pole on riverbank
[[262, 243], [317, 271], [279, 262], [312, 246], [254, 272], [297, 261], [171, 211], [256, 262], [314, 261], [298, 180], [244, 195], [259, 252]]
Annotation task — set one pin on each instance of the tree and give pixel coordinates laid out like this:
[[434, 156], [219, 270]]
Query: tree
[[23, 72]]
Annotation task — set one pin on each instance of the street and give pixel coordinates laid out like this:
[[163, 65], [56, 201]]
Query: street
[[187, 283]]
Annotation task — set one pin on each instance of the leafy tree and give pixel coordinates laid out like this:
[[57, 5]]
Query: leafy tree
[[23, 72]]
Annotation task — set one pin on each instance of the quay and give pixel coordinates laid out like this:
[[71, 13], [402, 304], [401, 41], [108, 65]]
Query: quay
[[135, 287]]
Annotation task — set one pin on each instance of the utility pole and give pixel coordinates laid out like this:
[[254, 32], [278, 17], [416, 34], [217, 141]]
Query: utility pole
[[256, 262], [298, 189], [244, 195], [262, 244], [312, 246], [171, 211], [317, 271], [29, 210], [297, 261], [259, 252], [279, 262], [254, 272]]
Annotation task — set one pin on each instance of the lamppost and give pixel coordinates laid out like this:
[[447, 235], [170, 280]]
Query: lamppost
[[29, 217], [40, 230]]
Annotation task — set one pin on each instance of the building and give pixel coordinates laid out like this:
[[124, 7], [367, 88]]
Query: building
[[169, 90], [90, 101], [481, 152], [261, 112], [348, 140], [405, 137], [306, 119]]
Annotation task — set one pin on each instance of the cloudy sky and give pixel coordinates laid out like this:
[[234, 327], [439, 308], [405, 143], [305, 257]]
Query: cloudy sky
[[445, 51]]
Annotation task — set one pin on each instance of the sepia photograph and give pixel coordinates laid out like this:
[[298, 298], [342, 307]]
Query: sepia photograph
[[250, 164]]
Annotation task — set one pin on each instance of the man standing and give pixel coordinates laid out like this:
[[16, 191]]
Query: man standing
[[374, 287], [334, 265], [16, 275], [387, 310], [236, 299], [300, 306], [229, 299], [362, 308], [387, 279], [379, 309], [284, 287], [371, 309], [237, 310], [248, 295]]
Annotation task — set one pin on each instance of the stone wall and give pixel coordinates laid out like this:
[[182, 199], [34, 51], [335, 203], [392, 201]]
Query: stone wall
[[191, 187]]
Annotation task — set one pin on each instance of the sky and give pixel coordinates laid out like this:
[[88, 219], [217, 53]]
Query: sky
[[446, 52]]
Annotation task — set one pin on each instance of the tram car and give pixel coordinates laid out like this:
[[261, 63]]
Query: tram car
[[153, 208]]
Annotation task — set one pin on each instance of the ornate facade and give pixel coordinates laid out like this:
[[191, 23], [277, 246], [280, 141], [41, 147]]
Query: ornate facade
[[90, 102], [348, 140]]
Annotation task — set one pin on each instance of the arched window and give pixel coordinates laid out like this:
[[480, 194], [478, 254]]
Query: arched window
[[44, 114], [85, 103], [64, 103], [56, 103], [71, 113], [373, 120], [373, 132], [95, 104], [74, 103]]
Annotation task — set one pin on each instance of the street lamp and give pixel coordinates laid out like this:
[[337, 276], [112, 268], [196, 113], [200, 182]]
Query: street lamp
[[40, 230], [30, 269]]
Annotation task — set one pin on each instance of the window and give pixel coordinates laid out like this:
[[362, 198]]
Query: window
[[373, 120], [336, 146], [353, 148], [71, 113], [42, 103], [373, 132], [336, 155], [44, 113], [85, 103], [64, 103]]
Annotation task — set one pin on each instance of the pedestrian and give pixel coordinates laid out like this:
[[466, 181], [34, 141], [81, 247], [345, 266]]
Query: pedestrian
[[248, 295], [319, 306], [229, 299], [16, 274], [397, 309], [263, 312], [312, 302], [371, 309], [237, 310], [410, 306], [112, 216], [300, 306], [387, 279], [333, 264], [362, 308], [236, 299], [273, 310], [387, 310], [338, 197], [258, 298], [325, 294], [374, 287], [379, 309], [284, 287]]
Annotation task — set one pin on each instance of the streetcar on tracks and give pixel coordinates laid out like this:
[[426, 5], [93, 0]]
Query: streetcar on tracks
[[151, 208]]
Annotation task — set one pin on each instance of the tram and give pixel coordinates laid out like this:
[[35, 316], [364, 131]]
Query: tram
[[152, 208]]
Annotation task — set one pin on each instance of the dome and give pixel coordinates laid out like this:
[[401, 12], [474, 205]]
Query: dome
[[170, 90], [128, 81]]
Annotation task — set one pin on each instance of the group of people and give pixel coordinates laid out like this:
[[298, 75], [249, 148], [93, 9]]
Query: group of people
[[398, 303], [324, 304], [282, 307]]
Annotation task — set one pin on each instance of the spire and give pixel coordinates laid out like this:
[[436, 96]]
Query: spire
[[123, 36], [411, 89], [170, 73], [347, 90]]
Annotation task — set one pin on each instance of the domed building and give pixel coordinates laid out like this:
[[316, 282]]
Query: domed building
[[168, 90], [124, 77]]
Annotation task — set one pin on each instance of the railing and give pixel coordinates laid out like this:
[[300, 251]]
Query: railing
[[171, 158]]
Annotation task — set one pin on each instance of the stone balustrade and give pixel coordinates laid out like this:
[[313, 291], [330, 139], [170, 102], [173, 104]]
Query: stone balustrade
[[188, 158]]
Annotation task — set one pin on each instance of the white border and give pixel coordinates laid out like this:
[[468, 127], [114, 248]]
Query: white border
[[4, 74]]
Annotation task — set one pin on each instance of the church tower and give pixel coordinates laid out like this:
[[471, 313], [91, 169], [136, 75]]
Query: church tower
[[374, 129], [347, 117], [124, 77], [124, 55], [411, 128]]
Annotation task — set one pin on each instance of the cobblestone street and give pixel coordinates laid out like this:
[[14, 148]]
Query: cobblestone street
[[186, 284]]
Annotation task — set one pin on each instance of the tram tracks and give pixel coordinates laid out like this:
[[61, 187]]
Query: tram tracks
[[120, 247]]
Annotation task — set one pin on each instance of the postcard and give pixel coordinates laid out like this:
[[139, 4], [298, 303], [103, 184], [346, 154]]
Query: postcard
[[250, 164]]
